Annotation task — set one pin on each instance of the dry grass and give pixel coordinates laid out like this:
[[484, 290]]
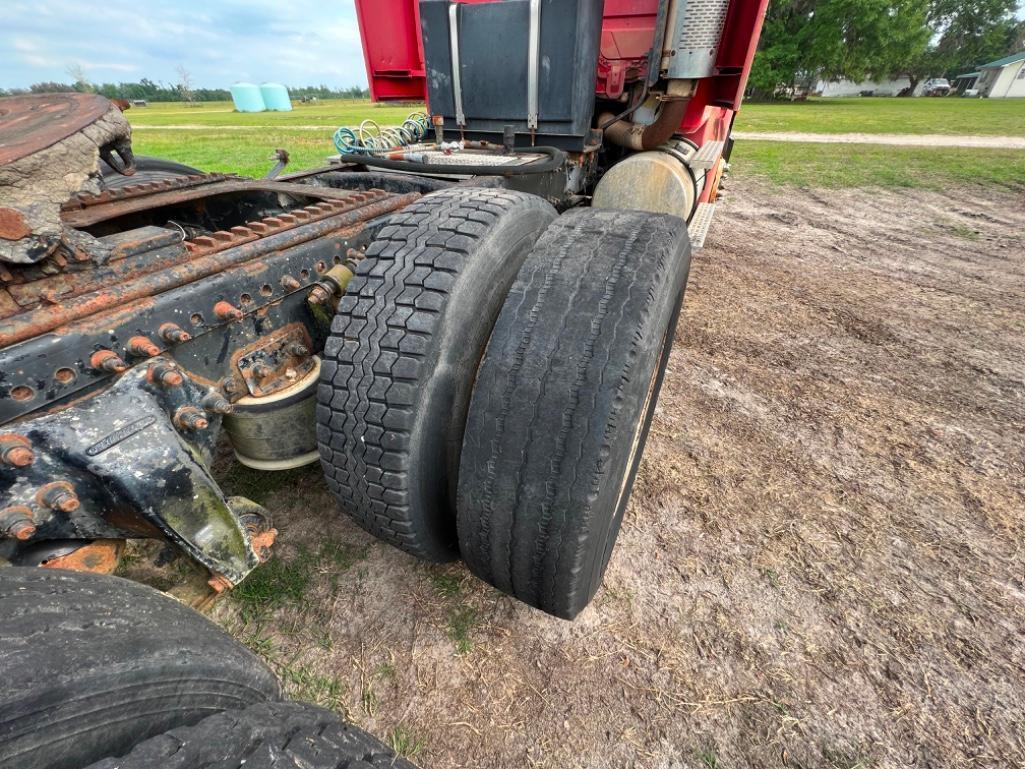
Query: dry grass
[[821, 565]]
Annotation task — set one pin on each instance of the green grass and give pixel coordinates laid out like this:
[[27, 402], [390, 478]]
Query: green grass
[[282, 582], [244, 143], [869, 165], [329, 113], [404, 742], [271, 585], [461, 622], [956, 116], [213, 137]]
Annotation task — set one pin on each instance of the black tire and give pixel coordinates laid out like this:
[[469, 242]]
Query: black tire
[[91, 665], [147, 169], [276, 735], [563, 401], [401, 358]]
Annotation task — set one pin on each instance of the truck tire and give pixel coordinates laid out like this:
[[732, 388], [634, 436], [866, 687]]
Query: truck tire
[[401, 358], [563, 401], [147, 169], [92, 664], [272, 735]]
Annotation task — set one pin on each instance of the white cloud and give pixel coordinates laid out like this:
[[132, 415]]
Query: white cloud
[[306, 42]]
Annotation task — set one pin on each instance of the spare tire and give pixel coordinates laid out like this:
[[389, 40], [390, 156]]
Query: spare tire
[[402, 355], [563, 401], [92, 665]]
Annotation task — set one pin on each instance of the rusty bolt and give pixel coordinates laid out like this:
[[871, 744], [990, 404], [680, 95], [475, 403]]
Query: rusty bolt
[[172, 333], [142, 347], [227, 311], [16, 521], [289, 283], [215, 403], [165, 375], [230, 385], [319, 294], [15, 450], [261, 370], [219, 583], [191, 418], [59, 495], [107, 362], [298, 350]]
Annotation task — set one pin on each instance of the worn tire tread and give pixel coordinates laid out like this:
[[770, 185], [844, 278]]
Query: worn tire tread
[[559, 394], [381, 358]]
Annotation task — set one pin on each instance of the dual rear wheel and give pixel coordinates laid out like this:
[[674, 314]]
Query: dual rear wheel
[[489, 381]]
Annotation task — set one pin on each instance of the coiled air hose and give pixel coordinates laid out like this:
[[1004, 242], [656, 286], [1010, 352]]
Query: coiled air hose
[[370, 137]]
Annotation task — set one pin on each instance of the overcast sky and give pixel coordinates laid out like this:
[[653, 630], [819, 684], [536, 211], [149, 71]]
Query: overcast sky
[[295, 42]]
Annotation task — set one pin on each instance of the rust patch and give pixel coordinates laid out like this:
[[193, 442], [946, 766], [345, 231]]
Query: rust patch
[[58, 495], [142, 347], [15, 450], [41, 320], [274, 361], [227, 311], [107, 361], [219, 583], [32, 123], [262, 542], [16, 521], [99, 557], [13, 225]]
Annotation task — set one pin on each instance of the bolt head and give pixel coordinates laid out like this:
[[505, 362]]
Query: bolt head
[[19, 456], [22, 530], [66, 502]]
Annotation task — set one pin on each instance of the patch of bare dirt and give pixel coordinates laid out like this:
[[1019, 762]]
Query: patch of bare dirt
[[822, 563]]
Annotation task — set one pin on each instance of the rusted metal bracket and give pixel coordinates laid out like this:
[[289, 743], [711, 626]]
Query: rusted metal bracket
[[86, 199], [134, 470]]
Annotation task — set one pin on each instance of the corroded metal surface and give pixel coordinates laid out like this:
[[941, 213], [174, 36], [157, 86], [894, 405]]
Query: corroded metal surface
[[210, 255], [100, 207], [29, 124], [122, 359], [99, 557]]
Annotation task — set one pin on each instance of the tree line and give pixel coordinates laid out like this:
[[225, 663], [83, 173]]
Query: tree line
[[804, 41], [152, 91]]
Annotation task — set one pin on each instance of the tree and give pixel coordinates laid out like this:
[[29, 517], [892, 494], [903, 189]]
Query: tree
[[973, 32], [965, 35], [80, 82], [185, 84], [50, 87], [804, 40]]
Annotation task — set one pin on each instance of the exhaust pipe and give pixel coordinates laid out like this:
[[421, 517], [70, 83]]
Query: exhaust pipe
[[637, 136]]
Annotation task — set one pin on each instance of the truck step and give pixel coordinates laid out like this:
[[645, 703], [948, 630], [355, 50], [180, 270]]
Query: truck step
[[707, 155], [699, 224]]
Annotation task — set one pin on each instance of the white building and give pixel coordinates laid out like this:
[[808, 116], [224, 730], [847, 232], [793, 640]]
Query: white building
[[840, 88], [1003, 78]]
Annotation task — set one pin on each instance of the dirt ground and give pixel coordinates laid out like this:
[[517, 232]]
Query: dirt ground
[[822, 562]]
